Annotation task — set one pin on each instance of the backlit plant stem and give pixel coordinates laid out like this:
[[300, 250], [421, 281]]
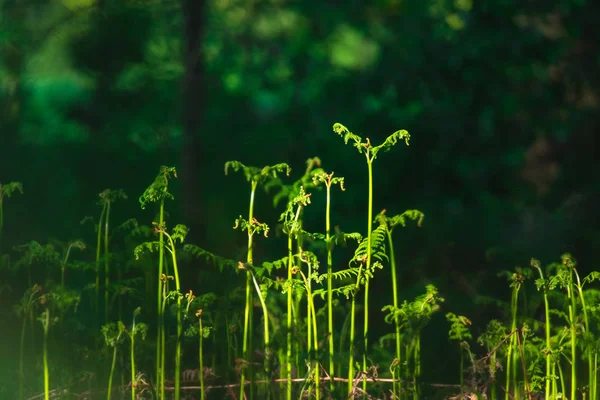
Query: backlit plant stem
[[592, 376], [25, 309], [172, 250], [328, 180], [312, 322], [255, 176], [113, 341], [46, 325], [511, 358], [99, 300], [267, 342], [158, 192], [544, 285], [352, 330], [370, 153], [248, 307]]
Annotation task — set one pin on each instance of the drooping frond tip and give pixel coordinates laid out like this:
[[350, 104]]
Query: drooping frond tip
[[158, 190], [346, 134]]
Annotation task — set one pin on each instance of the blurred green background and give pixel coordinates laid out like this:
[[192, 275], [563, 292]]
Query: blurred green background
[[501, 98]]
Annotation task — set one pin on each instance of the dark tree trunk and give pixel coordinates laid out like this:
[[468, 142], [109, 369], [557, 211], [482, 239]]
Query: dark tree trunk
[[194, 103]]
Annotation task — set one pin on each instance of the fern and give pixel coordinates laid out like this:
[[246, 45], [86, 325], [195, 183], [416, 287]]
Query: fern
[[378, 247], [220, 262], [158, 190]]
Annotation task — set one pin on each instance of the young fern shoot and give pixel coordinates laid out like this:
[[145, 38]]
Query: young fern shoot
[[389, 223], [178, 234], [158, 192], [459, 331], [292, 227], [112, 337], [328, 180], [256, 176], [139, 329], [370, 153]]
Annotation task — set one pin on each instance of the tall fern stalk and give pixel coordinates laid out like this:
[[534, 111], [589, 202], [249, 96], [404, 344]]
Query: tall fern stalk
[[291, 219], [45, 319], [370, 153], [158, 192], [329, 180], [112, 335], [512, 355], [255, 176], [179, 233], [135, 329], [544, 285], [107, 197], [389, 223]]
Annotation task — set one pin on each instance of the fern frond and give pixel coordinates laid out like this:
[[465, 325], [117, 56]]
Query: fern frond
[[378, 247], [218, 261], [159, 189]]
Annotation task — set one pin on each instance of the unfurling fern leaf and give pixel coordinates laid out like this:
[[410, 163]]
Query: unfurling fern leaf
[[378, 247], [219, 261]]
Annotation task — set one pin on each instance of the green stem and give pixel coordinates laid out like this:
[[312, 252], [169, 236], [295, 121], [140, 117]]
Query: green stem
[[46, 323], [112, 370], [160, 376], [572, 313], [368, 267], [248, 306], [352, 333], [289, 320], [267, 363], [395, 294], [329, 290], [106, 263], [511, 370], [536, 265], [98, 254], [132, 360], [200, 358], [179, 322], [314, 336], [591, 375]]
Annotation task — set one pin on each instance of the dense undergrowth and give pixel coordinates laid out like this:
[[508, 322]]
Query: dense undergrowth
[[115, 318]]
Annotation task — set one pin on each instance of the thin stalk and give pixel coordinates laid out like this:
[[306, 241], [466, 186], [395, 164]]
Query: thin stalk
[[172, 250], [368, 268], [591, 375], [289, 319], [248, 306], [132, 360], [114, 361], [329, 290], [106, 262], [352, 332], [314, 336], [201, 356], [395, 294], [572, 314], [163, 340], [160, 349], [63, 266], [511, 370], [46, 325], [267, 341], [98, 255], [110, 376], [537, 266]]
